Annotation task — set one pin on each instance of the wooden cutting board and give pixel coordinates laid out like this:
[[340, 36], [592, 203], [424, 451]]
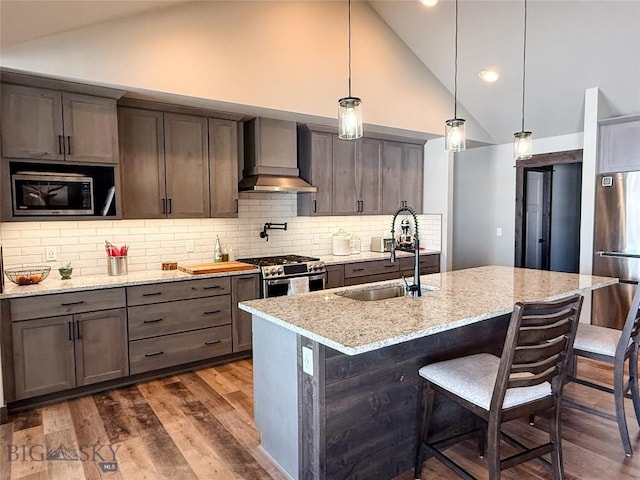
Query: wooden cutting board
[[214, 267]]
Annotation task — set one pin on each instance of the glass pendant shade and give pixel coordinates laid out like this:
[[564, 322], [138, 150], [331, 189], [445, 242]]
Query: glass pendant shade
[[349, 118], [522, 145], [455, 136]]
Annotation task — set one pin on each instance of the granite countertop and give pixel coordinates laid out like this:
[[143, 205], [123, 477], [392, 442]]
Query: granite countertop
[[53, 283], [369, 256], [462, 297]]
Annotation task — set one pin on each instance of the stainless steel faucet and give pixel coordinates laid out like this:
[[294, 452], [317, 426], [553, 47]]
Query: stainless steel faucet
[[414, 289]]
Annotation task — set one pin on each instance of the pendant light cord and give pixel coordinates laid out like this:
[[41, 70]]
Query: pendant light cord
[[349, 43], [524, 59], [455, 70]]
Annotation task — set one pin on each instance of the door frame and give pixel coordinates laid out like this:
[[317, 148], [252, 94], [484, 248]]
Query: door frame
[[536, 161]]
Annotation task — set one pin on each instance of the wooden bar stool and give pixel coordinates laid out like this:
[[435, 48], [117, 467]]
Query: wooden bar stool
[[616, 348], [526, 379]]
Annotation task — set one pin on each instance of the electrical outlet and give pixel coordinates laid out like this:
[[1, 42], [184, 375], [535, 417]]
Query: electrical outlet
[[189, 246], [499, 232], [316, 238], [307, 361], [50, 254]]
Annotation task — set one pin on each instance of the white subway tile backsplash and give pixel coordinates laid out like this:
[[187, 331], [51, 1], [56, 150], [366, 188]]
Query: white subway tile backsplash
[[156, 240]]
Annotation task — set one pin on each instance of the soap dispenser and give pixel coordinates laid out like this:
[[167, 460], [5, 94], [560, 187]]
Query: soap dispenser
[[217, 251]]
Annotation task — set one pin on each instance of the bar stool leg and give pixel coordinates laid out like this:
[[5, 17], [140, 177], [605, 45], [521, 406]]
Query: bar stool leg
[[619, 391], [493, 456], [633, 373], [555, 436], [428, 395]]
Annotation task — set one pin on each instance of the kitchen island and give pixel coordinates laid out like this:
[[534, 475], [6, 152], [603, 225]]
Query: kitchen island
[[336, 379]]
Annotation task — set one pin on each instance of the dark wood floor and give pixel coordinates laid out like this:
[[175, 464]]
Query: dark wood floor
[[199, 426]]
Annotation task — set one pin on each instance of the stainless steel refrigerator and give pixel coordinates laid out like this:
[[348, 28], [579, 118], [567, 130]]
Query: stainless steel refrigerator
[[616, 245]]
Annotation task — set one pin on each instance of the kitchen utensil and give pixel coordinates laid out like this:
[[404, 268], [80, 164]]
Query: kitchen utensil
[[341, 243], [27, 275], [65, 271]]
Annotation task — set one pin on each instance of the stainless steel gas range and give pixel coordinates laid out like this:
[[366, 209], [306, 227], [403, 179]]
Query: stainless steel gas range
[[276, 273]]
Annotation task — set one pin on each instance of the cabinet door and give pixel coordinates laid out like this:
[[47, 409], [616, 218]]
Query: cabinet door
[[619, 146], [43, 356], [369, 161], [335, 276], [101, 346], [345, 182], [392, 176], [411, 176], [223, 165], [31, 123], [321, 165], [142, 163], [244, 287], [90, 128], [187, 166]]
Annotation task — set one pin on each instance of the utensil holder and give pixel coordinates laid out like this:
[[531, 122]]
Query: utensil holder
[[117, 266]]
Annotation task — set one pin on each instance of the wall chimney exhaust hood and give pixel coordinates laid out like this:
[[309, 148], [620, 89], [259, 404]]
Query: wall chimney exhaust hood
[[271, 158]]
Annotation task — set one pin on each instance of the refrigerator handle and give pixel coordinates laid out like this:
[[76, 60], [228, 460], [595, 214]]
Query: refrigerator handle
[[618, 254]]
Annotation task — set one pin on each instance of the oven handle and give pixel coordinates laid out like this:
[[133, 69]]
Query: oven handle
[[281, 281]]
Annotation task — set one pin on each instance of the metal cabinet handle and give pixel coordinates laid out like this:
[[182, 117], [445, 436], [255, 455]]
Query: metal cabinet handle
[[152, 294], [246, 278], [213, 342], [164, 206], [169, 201], [68, 145], [236, 207], [212, 312], [389, 266], [70, 326], [212, 287], [358, 269], [72, 303], [60, 145], [154, 354], [78, 333], [155, 320], [315, 206]]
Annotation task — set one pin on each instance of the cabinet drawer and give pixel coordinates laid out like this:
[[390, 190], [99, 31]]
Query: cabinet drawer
[[66, 303], [164, 318], [179, 348], [360, 269], [167, 292], [428, 264], [381, 277]]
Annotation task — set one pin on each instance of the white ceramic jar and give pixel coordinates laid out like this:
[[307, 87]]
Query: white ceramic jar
[[341, 243]]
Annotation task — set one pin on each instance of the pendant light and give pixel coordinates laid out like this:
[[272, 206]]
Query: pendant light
[[349, 108], [455, 137], [522, 141]]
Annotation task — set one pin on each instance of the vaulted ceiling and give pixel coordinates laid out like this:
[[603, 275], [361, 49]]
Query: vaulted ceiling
[[572, 45]]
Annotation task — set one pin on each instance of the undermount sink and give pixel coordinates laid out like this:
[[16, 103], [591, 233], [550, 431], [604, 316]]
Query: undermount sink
[[383, 293]]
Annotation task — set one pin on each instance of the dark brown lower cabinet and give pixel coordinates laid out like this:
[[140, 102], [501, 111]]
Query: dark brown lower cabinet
[[243, 287], [58, 353], [335, 276]]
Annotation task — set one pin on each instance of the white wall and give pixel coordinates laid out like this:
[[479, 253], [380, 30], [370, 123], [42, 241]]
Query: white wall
[[438, 193], [284, 56], [484, 200]]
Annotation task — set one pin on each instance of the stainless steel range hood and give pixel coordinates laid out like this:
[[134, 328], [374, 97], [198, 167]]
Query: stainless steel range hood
[[271, 158]]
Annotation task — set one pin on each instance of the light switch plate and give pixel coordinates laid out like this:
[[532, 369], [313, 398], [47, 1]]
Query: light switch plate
[[307, 360]]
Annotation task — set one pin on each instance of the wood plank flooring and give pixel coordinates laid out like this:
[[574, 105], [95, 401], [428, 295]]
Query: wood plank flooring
[[198, 426]]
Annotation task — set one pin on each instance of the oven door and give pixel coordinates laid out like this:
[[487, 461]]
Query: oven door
[[278, 287]]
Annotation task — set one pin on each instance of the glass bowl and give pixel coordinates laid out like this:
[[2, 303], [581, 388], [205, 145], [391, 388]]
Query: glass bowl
[[27, 275]]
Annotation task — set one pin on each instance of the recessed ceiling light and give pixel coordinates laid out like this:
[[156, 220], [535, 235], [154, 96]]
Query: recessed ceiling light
[[429, 3], [489, 75]]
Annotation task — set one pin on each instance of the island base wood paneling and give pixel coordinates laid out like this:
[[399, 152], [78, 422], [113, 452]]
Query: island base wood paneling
[[358, 414]]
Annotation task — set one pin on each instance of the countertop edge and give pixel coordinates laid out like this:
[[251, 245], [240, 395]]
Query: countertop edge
[[105, 281]]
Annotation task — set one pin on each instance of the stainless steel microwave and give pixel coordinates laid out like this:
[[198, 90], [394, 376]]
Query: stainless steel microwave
[[50, 193]]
